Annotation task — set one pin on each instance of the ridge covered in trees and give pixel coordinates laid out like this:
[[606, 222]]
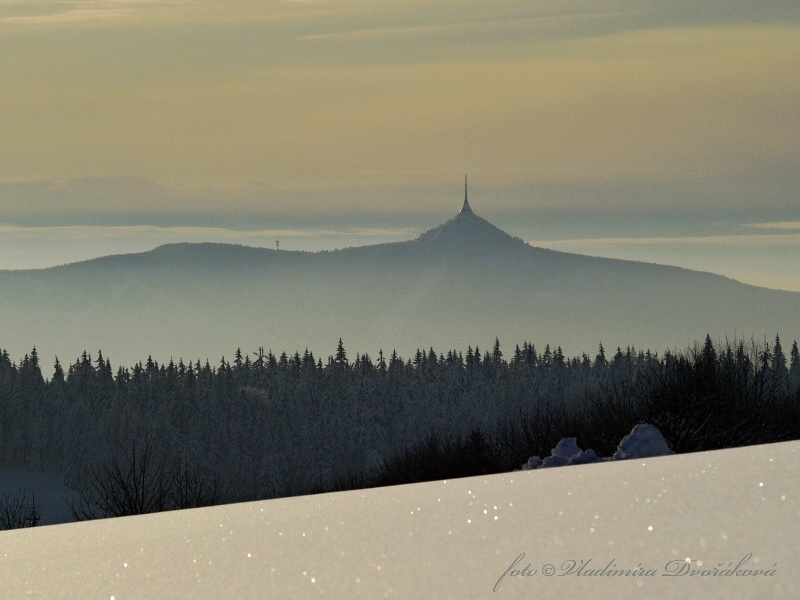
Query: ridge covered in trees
[[266, 426]]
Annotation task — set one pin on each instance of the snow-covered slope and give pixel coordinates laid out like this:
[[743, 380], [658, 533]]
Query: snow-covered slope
[[718, 512]]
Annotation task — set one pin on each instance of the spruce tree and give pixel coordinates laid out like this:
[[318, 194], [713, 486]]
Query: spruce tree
[[497, 354], [794, 369], [600, 360], [341, 356], [778, 359]]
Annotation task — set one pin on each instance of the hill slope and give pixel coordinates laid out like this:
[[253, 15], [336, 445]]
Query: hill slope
[[718, 510], [465, 282]]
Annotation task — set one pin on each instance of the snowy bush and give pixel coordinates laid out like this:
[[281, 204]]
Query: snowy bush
[[644, 441]]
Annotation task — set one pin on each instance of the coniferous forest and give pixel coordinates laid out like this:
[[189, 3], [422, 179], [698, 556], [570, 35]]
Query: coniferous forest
[[163, 436]]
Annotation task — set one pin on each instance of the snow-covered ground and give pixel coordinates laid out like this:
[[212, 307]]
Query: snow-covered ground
[[723, 515]]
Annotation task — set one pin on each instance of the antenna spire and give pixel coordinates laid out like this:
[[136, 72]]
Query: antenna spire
[[465, 209]]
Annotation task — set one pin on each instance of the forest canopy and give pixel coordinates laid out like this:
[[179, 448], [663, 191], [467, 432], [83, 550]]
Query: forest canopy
[[264, 426]]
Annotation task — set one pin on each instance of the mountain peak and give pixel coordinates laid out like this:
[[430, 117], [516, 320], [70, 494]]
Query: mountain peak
[[466, 231]]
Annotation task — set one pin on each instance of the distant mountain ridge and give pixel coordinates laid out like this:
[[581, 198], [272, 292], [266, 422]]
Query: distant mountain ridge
[[462, 283]]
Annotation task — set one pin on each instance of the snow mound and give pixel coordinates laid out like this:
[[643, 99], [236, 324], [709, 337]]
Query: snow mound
[[567, 452], [644, 441]]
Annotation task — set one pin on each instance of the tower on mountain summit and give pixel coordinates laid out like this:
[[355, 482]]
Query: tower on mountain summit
[[465, 209]]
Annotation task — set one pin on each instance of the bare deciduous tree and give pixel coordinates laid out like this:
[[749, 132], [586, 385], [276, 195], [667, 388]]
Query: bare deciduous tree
[[17, 511], [141, 481]]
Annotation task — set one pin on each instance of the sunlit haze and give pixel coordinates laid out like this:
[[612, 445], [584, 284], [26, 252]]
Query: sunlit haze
[[662, 131]]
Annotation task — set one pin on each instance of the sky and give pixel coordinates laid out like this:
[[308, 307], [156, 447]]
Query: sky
[[660, 130]]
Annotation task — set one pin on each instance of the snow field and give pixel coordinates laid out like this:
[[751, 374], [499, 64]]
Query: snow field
[[452, 539]]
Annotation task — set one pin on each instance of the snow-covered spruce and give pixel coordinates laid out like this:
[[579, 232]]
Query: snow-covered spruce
[[644, 441]]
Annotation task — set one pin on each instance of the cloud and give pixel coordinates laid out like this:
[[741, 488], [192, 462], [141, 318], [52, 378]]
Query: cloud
[[87, 12], [492, 23], [200, 234], [767, 260], [354, 19], [357, 105], [382, 32], [743, 240], [67, 12], [777, 225], [69, 17], [84, 194]]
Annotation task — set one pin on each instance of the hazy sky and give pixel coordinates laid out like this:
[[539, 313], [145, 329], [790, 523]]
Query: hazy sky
[[597, 119]]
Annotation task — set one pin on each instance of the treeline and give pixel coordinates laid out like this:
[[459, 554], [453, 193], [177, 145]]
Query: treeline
[[266, 426]]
